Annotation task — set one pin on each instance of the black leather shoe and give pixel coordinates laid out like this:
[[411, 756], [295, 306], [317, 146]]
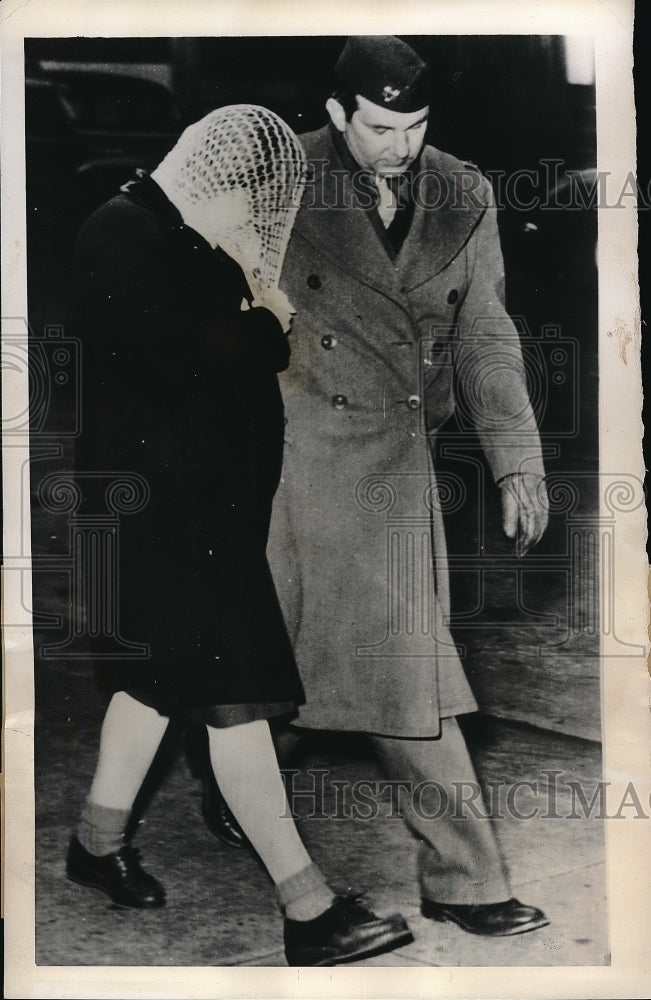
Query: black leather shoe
[[119, 875], [491, 919], [345, 932], [218, 817]]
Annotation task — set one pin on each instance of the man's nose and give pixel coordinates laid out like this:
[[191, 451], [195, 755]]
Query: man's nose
[[400, 144]]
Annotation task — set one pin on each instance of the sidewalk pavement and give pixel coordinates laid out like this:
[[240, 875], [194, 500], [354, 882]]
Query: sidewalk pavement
[[221, 907]]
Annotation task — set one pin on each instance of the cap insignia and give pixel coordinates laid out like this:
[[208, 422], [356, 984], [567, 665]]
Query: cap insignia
[[389, 94]]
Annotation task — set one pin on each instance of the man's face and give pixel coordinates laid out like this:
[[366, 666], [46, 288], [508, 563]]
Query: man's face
[[383, 141]]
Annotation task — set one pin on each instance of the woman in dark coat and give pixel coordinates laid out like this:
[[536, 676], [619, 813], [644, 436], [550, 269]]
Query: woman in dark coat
[[184, 330]]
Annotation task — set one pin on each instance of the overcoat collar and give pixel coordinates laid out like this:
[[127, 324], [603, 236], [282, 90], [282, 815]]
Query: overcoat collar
[[334, 216], [144, 191]]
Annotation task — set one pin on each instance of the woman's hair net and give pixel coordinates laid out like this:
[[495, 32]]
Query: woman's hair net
[[237, 177]]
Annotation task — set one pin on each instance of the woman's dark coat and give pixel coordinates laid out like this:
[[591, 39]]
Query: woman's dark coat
[[180, 389]]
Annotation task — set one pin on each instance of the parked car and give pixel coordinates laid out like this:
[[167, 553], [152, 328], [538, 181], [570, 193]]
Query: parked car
[[86, 132]]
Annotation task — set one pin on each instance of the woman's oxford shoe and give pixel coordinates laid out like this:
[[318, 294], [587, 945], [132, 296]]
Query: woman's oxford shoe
[[218, 817], [344, 933], [119, 875]]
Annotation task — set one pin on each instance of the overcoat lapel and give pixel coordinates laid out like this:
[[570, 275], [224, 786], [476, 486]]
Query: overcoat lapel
[[333, 218], [451, 198]]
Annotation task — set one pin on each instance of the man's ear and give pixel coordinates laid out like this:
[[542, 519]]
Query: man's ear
[[337, 114]]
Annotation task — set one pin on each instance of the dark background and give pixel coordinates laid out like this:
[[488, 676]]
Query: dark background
[[502, 102], [493, 98]]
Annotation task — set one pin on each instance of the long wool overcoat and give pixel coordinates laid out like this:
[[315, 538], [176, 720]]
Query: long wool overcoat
[[380, 349], [181, 397]]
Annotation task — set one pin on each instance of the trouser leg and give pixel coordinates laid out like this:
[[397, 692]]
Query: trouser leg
[[459, 859]]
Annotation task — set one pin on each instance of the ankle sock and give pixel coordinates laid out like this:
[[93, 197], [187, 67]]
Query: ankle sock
[[305, 895], [101, 828]]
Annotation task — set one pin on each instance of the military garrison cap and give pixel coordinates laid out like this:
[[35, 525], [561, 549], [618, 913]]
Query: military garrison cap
[[384, 70]]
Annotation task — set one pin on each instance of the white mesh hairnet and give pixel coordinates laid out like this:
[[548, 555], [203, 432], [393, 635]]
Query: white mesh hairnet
[[237, 177]]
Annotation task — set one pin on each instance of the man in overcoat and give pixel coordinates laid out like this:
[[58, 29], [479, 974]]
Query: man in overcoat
[[395, 270]]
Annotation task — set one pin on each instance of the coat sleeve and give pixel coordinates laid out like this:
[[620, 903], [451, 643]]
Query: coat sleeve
[[131, 303], [490, 376]]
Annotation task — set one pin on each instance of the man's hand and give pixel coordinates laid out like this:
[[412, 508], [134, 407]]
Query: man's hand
[[525, 509]]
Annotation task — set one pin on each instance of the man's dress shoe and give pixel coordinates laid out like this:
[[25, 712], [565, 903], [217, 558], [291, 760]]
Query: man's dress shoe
[[119, 875], [491, 919], [344, 933]]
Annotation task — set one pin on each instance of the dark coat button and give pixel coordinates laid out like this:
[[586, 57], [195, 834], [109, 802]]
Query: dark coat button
[[313, 281], [339, 401], [328, 342], [453, 296]]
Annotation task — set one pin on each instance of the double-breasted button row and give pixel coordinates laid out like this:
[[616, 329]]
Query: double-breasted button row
[[340, 402]]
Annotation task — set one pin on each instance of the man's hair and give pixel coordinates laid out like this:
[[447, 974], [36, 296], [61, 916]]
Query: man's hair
[[347, 99]]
